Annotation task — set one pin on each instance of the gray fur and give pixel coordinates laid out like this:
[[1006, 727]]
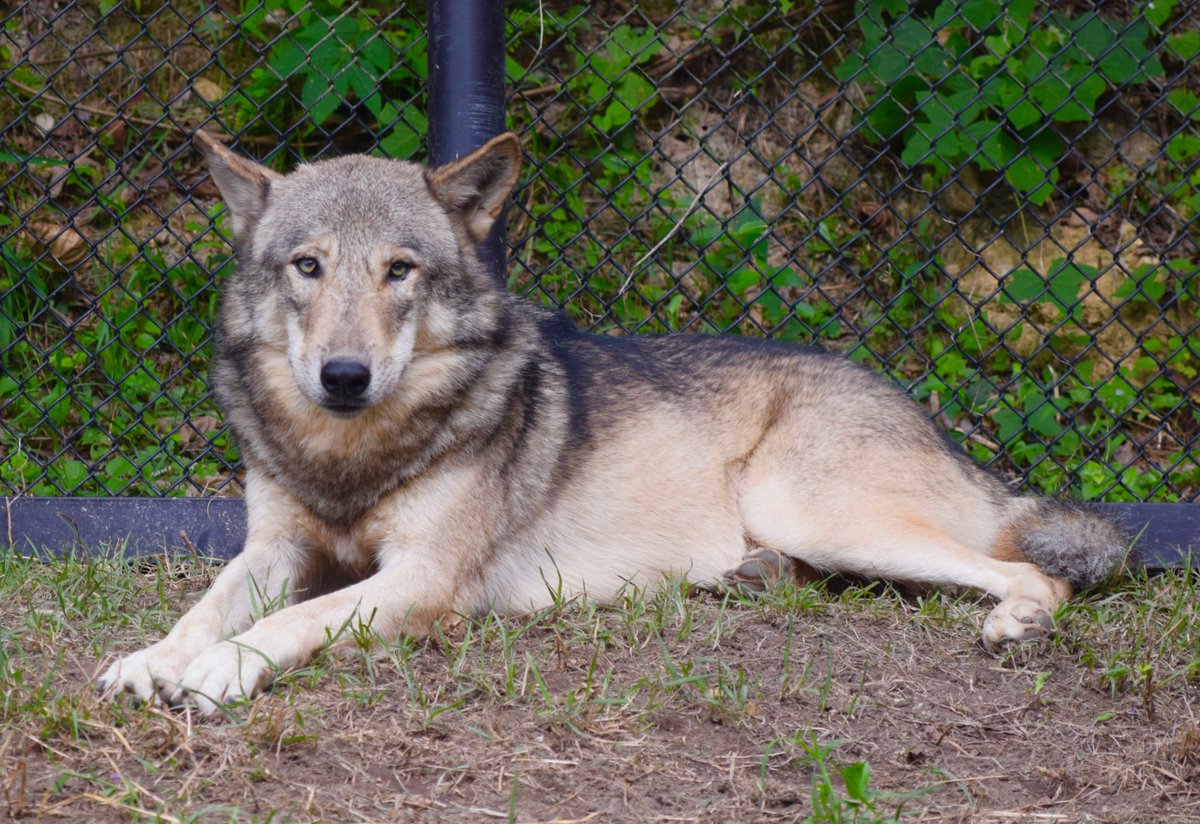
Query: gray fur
[[1073, 542]]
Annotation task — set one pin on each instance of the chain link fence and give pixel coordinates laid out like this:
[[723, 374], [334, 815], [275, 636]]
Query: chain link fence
[[994, 203]]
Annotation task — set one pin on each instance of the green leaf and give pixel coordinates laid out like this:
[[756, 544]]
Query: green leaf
[[888, 63], [1094, 36], [949, 149], [348, 31], [1117, 394], [326, 56], [74, 473], [704, 235], [1187, 103], [1047, 149], [980, 14], [1020, 12], [983, 66], [639, 44], [938, 113], [404, 140], [742, 279], [996, 149], [885, 120], [998, 45], [849, 67], [749, 232], [856, 776], [1157, 12], [31, 160], [363, 82], [373, 100], [286, 58], [1185, 44], [1023, 114], [1052, 94], [1183, 146], [514, 70], [1143, 284], [945, 15], [787, 276], [1007, 96], [911, 36], [933, 61], [1087, 91], [1026, 174], [1065, 280], [318, 98], [379, 53], [119, 468], [634, 91], [1042, 419], [1120, 67], [1010, 423], [1023, 287]]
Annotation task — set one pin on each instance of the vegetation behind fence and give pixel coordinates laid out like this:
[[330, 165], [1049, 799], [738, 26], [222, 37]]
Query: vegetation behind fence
[[995, 203]]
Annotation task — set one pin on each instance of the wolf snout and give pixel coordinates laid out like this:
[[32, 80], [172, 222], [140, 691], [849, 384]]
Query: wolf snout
[[345, 380]]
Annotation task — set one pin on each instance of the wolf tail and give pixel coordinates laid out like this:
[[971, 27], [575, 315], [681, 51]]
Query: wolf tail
[[1071, 541]]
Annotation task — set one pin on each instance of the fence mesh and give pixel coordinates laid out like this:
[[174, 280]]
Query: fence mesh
[[994, 203]]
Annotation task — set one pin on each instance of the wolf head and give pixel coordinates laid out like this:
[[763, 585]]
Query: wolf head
[[352, 265]]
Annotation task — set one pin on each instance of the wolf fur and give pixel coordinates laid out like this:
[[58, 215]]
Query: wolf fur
[[419, 443]]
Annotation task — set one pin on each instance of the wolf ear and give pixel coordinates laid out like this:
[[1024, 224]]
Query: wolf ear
[[473, 188], [242, 182]]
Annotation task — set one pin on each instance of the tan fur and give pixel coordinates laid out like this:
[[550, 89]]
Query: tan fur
[[499, 459], [1006, 547]]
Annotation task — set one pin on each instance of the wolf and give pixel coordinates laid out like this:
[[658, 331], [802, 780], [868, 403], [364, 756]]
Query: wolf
[[418, 444]]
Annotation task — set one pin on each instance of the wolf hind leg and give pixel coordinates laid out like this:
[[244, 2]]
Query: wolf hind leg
[[894, 544]]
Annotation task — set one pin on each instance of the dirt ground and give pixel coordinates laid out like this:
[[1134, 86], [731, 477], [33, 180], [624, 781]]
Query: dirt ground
[[679, 707]]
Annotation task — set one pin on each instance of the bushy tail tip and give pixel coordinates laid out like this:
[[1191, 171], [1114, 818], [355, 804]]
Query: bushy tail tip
[[1074, 542]]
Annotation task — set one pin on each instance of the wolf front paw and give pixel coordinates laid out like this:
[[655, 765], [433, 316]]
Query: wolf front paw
[[225, 672], [1013, 621], [148, 674]]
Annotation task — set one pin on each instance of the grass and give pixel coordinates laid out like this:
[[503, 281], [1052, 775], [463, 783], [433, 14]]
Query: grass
[[820, 703]]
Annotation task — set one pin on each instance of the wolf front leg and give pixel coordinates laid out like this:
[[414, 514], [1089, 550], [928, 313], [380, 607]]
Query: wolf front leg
[[264, 574], [407, 596]]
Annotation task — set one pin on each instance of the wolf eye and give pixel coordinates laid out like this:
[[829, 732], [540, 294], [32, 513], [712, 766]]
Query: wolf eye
[[399, 270], [307, 266]]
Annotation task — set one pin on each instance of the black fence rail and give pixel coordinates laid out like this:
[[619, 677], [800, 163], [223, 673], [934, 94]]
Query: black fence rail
[[995, 203]]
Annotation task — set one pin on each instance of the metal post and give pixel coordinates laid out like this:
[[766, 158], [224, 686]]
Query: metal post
[[466, 91]]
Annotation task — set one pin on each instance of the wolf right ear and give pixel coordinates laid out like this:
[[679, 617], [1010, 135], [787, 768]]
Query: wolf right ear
[[243, 183], [473, 188]]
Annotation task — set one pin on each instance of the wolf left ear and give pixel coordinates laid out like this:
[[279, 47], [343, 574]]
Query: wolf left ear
[[473, 188], [243, 183]]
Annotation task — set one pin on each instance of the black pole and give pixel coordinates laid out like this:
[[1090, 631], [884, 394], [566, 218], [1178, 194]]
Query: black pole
[[466, 91]]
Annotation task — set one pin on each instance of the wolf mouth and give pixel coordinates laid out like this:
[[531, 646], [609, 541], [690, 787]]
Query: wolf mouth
[[344, 410]]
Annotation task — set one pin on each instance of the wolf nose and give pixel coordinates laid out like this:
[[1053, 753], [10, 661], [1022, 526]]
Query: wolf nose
[[345, 379]]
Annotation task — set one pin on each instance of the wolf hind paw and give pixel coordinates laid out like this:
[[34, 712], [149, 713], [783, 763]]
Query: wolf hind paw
[[761, 569]]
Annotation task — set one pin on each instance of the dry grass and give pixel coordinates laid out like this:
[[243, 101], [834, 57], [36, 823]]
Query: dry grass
[[678, 706]]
